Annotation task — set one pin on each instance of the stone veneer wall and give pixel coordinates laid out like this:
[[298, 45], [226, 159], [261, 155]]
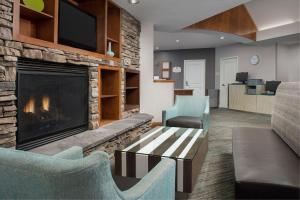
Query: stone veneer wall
[[130, 38], [121, 141], [11, 50]]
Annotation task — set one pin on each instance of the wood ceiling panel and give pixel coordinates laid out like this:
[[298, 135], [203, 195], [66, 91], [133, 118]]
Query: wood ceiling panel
[[235, 21]]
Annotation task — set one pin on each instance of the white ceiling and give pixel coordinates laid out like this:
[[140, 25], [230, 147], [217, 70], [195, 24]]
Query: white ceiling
[[167, 41], [170, 16], [273, 13]]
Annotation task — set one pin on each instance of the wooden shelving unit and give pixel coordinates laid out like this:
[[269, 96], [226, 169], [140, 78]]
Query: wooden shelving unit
[[114, 30], [41, 28], [132, 89], [109, 94]]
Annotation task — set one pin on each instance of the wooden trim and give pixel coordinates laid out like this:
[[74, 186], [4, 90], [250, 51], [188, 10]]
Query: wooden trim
[[109, 68], [164, 81], [56, 2], [16, 19]]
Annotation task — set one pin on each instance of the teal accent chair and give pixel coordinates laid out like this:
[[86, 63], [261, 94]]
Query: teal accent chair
[[68, 175], [188, 112]]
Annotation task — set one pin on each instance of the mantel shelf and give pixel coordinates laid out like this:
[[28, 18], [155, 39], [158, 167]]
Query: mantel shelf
[[28, 13]]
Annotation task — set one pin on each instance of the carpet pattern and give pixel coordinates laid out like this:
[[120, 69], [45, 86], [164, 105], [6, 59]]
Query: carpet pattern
[[216, 179]]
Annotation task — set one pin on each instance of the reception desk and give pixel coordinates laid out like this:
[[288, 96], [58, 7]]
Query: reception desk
[[240, 100]]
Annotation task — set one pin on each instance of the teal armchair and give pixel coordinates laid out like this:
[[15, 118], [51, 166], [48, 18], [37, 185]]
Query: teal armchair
[[68, 175], [188, 110]]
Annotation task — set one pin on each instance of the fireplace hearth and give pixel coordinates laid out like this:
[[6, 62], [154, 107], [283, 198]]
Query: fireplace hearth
[[52, 102]]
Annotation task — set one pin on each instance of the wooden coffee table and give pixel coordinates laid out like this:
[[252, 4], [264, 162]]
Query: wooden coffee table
[[186, 145]]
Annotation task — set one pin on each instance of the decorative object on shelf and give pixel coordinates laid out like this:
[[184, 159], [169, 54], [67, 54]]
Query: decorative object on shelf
[[110, 52], [165, 69], [255, 60], [37, 5], [127, 61]]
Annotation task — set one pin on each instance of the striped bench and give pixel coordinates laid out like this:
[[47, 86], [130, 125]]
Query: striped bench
[[186, 145]]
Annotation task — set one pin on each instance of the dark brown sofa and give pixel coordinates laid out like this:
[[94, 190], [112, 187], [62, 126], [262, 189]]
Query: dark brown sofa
[[266, 161]]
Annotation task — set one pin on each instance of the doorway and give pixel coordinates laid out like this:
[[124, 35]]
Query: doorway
[[194, 76], [228, 70]]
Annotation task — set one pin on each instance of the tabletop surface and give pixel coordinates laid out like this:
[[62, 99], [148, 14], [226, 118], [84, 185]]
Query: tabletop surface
[[172, 142]]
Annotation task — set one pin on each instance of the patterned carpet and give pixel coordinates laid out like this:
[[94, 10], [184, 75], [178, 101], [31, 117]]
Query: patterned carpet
[[216, 180]]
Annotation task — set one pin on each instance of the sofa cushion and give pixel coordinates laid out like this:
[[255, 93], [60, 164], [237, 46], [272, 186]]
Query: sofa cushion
[[264, 166], [286, 114], [185, 122]]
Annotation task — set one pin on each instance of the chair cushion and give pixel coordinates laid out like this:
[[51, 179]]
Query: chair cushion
[[286, 115], [185, 122], [264, 165]]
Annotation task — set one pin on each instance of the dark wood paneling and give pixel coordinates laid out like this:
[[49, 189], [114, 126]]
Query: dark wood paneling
[[234, 21]]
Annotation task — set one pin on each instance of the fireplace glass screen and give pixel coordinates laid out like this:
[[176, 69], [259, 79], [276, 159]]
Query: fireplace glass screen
[[52, 101]]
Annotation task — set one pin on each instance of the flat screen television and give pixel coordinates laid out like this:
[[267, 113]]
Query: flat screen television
[[242, 77], [271, 86], [76, 27]]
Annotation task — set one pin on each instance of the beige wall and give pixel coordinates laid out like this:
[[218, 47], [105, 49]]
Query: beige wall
[[288, 59], [277, 62], [266, 69], [155, 97]]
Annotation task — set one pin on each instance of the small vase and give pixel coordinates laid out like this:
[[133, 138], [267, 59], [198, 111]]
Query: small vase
[[110, 52]]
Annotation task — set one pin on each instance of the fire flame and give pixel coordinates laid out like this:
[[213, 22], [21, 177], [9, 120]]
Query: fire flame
[[46, 103], [30, 106]]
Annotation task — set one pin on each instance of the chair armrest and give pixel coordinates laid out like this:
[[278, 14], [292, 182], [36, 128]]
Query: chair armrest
[[72, 154], [159, 183], [168, 114], [206, 116]]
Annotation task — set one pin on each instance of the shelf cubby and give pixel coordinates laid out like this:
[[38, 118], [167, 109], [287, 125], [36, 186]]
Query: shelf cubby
[[110, 93], [132, 97], [114, 28], [38, 25]]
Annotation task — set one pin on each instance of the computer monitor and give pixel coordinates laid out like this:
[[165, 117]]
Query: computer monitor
[[271, 86], [242, 77]]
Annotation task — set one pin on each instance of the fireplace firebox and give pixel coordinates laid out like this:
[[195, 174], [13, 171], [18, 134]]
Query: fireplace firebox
[[52, 102]]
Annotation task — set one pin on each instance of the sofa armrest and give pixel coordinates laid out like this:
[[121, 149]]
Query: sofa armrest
[[159, 183], [72, 153], [168, 114]]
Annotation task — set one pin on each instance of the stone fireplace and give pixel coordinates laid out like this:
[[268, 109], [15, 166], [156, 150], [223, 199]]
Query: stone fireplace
[[52, 102], [13, 53]]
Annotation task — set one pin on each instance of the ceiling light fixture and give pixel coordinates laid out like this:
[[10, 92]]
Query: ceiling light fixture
[[222, 38], [157, 48], [177, 41], [133, 1]]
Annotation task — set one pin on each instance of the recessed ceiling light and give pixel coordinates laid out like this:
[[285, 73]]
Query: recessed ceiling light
[[177, 41], [222, 37], [157, 48], [134, 1]]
